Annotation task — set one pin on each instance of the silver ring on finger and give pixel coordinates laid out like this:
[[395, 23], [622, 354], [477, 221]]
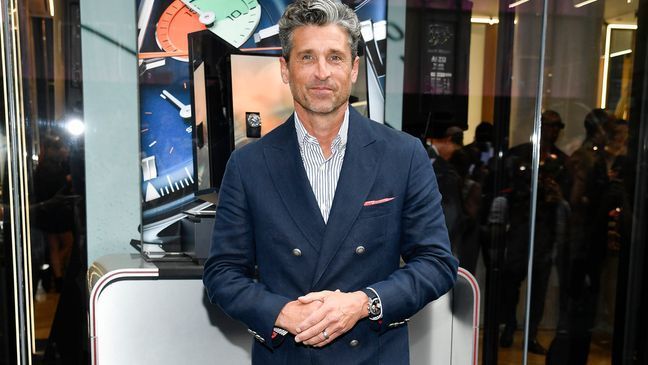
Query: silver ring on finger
[[325, 334]]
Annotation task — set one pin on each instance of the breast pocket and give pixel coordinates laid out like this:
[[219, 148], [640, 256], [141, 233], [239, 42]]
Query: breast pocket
[[372, 209]]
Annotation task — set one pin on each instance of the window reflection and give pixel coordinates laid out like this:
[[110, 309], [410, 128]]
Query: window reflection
[[581, 223]]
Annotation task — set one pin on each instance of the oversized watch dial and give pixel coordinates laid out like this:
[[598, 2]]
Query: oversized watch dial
[[173, 26], [235, 20]]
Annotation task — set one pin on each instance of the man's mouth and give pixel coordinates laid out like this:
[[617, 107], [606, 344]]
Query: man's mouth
[[321, 88]]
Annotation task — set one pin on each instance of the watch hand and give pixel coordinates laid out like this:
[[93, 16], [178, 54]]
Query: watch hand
[[205, 17], [185, 110]]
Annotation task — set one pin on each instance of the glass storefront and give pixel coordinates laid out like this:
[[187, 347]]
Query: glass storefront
[[533, 112], [540, 176]]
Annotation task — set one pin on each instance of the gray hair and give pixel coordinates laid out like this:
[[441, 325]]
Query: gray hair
[[320, 13]]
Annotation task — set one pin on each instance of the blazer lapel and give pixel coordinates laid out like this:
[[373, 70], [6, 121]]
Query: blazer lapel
[[359, 171], [286, 168]]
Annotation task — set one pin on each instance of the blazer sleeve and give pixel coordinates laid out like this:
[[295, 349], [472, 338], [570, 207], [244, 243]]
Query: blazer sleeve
[[430, 270], [229, 271]]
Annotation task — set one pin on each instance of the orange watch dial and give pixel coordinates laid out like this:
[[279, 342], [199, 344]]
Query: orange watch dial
[[175, 23]]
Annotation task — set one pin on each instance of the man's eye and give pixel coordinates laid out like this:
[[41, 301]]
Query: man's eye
[[307, 58], [336, 58]]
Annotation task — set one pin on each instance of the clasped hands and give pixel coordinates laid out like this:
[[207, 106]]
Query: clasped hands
[[318, 318]]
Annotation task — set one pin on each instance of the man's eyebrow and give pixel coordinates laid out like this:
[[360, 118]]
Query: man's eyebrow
[[328, 51]]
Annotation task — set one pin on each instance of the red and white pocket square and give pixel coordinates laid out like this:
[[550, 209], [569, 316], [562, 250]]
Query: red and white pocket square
[[369, 203]]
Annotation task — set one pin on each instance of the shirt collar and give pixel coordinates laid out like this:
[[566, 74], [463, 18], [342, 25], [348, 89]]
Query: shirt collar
[[338, 142]]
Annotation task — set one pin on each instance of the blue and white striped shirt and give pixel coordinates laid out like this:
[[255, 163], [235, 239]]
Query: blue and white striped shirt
[[323, 173]]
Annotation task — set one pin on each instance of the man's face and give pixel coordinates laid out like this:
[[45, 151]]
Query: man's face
[[320, 70], [551, 130]]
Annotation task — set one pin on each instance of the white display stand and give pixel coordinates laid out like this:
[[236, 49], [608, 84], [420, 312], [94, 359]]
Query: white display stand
[[141, 314]]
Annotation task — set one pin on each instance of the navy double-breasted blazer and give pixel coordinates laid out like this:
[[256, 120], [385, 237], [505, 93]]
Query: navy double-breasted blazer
[[271, 245]]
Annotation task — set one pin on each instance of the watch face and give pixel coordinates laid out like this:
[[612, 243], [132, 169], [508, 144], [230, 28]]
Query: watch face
[[253, 119], [165, 127], [375, 309]]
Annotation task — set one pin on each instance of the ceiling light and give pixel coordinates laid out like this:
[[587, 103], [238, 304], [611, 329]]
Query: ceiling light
[[583, 3], [484, 20], [520, 2], [620, 53]]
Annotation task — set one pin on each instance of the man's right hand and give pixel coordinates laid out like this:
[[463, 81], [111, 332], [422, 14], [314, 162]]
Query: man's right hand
[[294, 313]]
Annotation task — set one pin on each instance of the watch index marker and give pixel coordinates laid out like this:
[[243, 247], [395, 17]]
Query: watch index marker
[[189, 175], [151, 193], [170, 183], [149, 64], [149, 170]]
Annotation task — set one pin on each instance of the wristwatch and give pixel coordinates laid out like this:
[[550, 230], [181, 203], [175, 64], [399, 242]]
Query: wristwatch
[[253, 124], [374, 308]]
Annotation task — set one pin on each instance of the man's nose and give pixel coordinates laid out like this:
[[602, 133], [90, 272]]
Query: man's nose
[[323, 70]]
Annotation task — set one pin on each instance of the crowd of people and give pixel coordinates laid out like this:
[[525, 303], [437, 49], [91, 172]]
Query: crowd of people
[[577, 228]]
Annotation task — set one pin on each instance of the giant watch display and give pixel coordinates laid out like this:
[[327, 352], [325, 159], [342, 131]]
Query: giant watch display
[[165, 111]]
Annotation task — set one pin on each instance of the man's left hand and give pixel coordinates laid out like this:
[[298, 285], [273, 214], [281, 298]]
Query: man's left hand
[[337, 315]]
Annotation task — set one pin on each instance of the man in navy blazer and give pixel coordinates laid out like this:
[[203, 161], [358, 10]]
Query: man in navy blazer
[[314, 219]]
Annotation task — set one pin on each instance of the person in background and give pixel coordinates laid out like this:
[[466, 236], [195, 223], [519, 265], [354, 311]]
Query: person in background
[[553, 182], [597, 201], [471, 196], [589, 179], [54, 217], [441, 145], [480, 152]]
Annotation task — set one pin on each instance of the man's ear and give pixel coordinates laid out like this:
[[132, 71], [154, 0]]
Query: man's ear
[[354, 69], [285, 73]]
